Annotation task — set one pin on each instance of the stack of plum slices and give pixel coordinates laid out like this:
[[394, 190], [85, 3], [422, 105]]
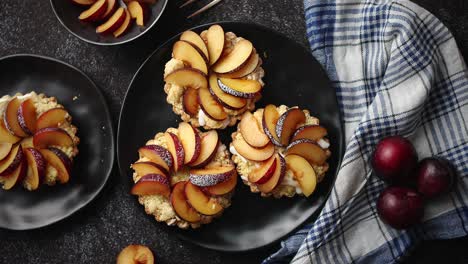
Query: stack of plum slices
[[36, 145], [273, 151], [213, 77], [187, 169]]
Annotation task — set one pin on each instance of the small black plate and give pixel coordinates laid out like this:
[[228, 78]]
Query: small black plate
[[67, 13], [21, 209], [293, 77]]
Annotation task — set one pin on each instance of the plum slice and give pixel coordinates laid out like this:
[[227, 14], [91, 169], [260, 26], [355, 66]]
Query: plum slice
[[200, 201], [276, 177], [235, 59], [269, 120], [95, 12], [195, 39], [135, 254], [211, 176], [240, 87], [191, 142], [52, 118], [27, 116], [210, 105], [223, 187], [190, 101], [52, 136], [185, 52], [158, 155], [152, 184], [215, 39], [227, 100], [148, 167], [36, 168], [208, 149], [5, 149], [6, 135], [287, 124], [60, 161], [250, 65], [252, 132], [12, 161], [263, 173], [181, 206], [14, 178], [11, 118], [187, 77], [113, 23], [303, 173], [251, 153], [307, 149], [176, 149], [312, 132]]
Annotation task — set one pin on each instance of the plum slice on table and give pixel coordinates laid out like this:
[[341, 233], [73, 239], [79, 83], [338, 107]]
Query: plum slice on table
[[135, 254]]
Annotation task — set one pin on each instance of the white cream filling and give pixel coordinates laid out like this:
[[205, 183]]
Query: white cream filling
[[233, 151], [201, 117], [288, 180], [323, 144]]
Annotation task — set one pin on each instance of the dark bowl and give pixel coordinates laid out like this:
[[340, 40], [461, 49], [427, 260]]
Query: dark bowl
[[293, 77], [67, 13], [21, 209]]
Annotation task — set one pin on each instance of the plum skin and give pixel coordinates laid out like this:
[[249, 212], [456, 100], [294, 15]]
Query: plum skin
[[400, 207], [395, 160], [435, 176]]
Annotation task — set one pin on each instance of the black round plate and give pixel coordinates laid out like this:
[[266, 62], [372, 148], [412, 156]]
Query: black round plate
[[21, 209], [67, 13], [293, 77]]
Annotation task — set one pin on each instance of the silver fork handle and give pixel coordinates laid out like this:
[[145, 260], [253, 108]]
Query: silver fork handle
[[203, 9]]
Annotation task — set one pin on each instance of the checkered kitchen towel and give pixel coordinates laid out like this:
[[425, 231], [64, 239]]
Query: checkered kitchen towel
[[396, 69]]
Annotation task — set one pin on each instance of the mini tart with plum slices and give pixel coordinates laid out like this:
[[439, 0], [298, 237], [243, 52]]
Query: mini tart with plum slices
[[280, 151], [213, 78], [37, 141], [184, 177]]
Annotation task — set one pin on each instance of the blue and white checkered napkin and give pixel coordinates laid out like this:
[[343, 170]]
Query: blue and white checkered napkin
[[396, 69]]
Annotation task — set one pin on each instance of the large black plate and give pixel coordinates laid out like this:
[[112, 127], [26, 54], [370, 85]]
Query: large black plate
[[293, 77], [67, 13], [20, 209]]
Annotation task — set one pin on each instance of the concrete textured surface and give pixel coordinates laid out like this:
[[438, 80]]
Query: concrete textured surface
[[114, 220]]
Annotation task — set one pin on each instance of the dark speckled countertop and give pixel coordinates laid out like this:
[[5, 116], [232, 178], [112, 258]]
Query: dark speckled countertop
[[97, 233]]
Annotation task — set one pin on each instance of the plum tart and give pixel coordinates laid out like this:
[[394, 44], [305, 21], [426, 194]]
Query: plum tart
[[213, 78], [280, 151], [184, 177], [37, 141]]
